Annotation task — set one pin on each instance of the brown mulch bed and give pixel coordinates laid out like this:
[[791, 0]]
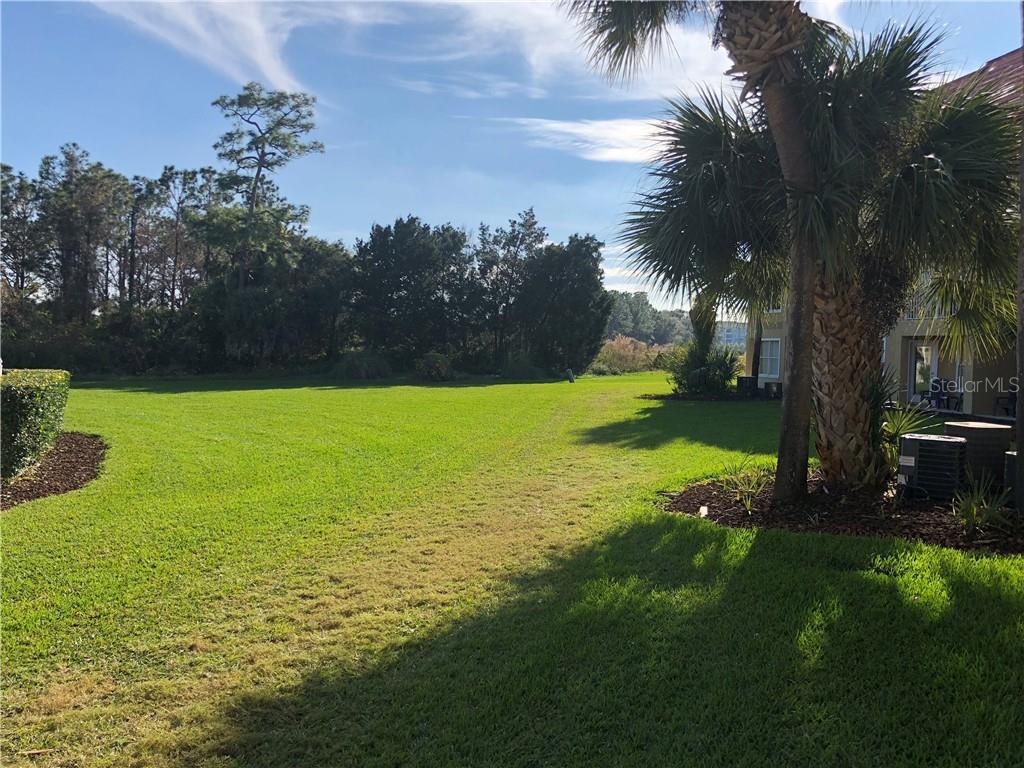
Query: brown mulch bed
[[856, 514], [72, 462]]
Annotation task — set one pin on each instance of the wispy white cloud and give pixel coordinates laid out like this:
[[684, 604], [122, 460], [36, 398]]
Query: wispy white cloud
[[243, 40], [248, 40], [426, 87], [606, 141], [619, 272], [549, 44], [476, 85]]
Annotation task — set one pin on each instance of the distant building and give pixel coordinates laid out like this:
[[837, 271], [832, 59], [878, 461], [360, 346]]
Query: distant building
[[730, 333]]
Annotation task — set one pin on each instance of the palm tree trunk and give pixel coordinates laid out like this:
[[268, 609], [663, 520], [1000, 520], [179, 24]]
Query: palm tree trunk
[[846, 353], [1018, 480], [783, 112], [755, 352], [703, 311]]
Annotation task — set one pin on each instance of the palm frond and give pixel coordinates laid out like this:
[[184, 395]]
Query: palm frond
[[953, 189], [621, 36], [859, 96], [980, 310], [716, 215]]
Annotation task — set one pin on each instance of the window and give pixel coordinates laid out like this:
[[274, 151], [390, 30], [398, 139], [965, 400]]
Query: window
[[770, 358], [923, 368]]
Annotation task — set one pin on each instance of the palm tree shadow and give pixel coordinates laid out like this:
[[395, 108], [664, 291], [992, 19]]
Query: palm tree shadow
[[672, 641], [740, 426]]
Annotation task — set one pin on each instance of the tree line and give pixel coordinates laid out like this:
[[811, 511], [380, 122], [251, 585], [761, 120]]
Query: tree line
[[633, 315], [213, 268]]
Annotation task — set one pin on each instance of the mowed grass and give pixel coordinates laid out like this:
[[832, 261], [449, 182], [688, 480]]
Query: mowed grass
[[292, 573]]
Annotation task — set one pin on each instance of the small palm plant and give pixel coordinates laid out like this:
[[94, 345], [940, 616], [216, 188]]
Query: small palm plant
[[980, 504], [746, 481], [900, 421], [892, 422]]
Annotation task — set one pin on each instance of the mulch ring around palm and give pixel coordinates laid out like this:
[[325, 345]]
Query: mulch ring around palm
[[855, 514], [72, 462]]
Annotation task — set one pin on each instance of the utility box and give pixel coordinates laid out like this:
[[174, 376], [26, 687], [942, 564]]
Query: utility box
[[987, 445], [746, 385], [932, 466]]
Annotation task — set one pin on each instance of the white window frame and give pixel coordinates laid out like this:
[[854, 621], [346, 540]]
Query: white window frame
[[778, 369]]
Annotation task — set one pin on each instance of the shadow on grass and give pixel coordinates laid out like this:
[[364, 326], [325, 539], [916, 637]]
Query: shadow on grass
[[751, 427], [675, 642], [241, 382]]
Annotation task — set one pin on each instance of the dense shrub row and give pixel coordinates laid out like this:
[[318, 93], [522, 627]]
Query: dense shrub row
[[366, 365], [31, 414], [362, 365], [622, 355], [434, 366], [693, 368]]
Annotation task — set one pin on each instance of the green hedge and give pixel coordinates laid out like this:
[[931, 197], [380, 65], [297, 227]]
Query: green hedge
[[31, 413], [362, 365]]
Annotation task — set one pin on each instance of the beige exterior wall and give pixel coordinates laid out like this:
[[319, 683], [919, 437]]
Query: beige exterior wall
[[981, 381], [979, 397], [774, 326], [993, 379]]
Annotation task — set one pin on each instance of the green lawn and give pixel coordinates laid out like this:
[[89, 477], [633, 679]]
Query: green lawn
[[291, 573]]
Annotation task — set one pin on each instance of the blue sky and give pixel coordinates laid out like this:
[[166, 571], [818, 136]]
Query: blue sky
[[454, 112]]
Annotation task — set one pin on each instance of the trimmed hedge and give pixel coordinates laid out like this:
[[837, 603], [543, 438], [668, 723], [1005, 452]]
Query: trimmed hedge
[[31, 414]]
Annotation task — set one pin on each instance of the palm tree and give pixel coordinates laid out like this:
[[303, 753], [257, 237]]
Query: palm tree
[[912, 180], [917, 181], [763, 40], [1018, 481]]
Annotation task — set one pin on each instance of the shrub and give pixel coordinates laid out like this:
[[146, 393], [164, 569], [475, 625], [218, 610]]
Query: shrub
[[746, 481], [696, 372], [362, 365], [623, 355], [666, 357], [978, 504], [521, 368], [598, 368], [32, 405], [434, 366]]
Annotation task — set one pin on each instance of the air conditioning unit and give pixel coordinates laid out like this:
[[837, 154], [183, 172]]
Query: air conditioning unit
[[932, 466], [987, 444]]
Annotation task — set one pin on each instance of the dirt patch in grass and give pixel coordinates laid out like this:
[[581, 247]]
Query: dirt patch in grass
[[72, 462], [853, 514]]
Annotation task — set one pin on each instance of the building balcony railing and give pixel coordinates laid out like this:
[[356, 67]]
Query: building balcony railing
[[920, 308]]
